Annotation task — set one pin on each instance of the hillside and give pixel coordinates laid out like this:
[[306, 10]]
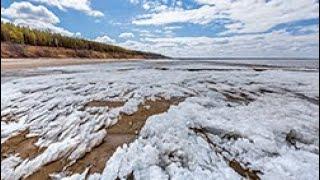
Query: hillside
[[22, 42], [14, 50]]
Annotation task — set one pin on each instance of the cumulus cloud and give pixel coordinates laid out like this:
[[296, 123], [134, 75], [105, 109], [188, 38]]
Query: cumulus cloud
[[38, 17], [79, 5], [25, 10], [277, 44], [105, 39], [203, 15], [249, 28], [145, 33], [158, 5], [249, 16], [126, 35]]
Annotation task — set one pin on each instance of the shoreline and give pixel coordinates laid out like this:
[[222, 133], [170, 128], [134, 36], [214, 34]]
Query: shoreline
[[10, 64], [14, 64]]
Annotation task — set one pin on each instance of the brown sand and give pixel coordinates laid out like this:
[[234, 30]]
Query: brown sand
[[22, 145], [17, 64], [124, 132], [100, 103], [96, 159], [43, 173]]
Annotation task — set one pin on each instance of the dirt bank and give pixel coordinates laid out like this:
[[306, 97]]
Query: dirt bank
[[10, 50]]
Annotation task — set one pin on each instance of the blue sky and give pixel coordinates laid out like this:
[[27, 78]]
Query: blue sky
[[218, 28]]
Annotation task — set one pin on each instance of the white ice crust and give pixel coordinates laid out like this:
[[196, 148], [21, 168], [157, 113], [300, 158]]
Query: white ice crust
[[276, 102]]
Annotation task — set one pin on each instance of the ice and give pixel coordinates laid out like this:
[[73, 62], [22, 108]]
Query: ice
[[7, 168], [228, 113], [11, 129]]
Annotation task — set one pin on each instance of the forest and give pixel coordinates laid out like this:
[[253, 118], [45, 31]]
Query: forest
[[27, 36]]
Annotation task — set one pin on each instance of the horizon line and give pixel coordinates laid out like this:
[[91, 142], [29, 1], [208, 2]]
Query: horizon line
[[246, 58]]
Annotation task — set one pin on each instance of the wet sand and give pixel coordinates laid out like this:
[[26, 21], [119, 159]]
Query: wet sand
[[17, 64]]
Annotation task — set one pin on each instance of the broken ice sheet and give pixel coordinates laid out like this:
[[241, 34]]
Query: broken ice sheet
[[244, 117]]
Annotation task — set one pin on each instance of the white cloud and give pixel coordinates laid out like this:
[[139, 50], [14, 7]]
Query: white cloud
[[77, 34], [158, 5], [210, 2], [172, 27], [5, 20], [160, 32], [250, 18], [144, 33], [203, 15], [29, 15], [134, 1], [79, 5], [254, 15], [234, 26], [276, 44], [126, 35], [105, 39], [25, 10]]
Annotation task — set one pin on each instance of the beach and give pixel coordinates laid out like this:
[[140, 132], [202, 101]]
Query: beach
[[170, 119]]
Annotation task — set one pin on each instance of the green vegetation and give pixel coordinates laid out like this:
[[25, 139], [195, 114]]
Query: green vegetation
[[27, 36]]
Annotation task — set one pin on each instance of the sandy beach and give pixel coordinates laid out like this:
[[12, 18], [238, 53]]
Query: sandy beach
[[16, 64]]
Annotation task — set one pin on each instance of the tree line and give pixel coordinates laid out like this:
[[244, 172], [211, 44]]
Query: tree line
[[28, 36]]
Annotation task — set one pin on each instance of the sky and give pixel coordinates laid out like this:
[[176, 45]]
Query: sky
[[181, 28]]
